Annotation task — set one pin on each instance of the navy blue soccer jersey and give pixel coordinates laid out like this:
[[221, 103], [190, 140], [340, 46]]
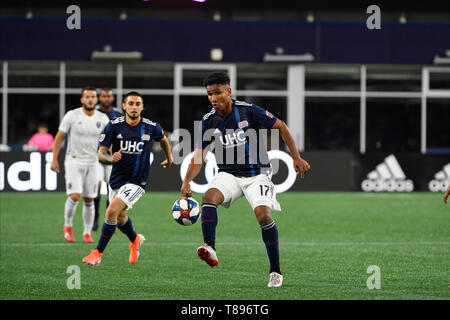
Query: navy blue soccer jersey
[[136, 144], [113, 114], [239, 145]]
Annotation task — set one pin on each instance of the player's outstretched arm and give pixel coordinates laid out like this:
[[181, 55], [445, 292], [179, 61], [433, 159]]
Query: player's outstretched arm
[[447, 193], [193, 170], [300, 165], [59, 138], [104, 155], [165, 145]]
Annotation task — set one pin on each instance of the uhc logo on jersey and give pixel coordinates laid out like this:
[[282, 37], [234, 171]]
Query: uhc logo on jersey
[[131, 146], [233, 139]]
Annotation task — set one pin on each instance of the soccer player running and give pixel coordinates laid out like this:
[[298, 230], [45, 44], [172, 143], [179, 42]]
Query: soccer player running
[[82, 126], [131, 138], [106, 100], [230, 121]]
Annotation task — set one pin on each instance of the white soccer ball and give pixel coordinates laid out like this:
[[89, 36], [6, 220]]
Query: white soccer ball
[[186, 211]]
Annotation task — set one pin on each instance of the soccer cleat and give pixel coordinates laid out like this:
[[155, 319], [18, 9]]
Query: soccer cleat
[[134, 248], [68, 234], [275, 280], [87, 238], [94, 258], [207, 254]]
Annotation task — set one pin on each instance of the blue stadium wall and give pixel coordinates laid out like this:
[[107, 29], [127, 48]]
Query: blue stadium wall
[[192, 40]]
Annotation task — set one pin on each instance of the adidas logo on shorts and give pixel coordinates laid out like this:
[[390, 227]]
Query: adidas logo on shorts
[[441, 180], [387, 176]]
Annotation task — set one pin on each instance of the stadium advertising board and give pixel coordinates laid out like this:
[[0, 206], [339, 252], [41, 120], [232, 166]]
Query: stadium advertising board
[[330, 171]]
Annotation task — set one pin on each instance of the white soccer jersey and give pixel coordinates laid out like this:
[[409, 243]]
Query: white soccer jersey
[[83, 132]]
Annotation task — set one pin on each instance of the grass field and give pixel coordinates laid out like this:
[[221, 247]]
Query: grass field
[[327, 242]]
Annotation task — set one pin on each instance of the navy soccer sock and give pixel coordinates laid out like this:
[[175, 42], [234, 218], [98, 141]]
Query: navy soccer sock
[[209, 223], [270, 238], [97, 205], [128, 229], [108, 229]]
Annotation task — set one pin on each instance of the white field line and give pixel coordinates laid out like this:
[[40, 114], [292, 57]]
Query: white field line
[[192, 244]]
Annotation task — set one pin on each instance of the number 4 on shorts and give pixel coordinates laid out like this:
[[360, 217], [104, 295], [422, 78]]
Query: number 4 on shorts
[[127, 192]]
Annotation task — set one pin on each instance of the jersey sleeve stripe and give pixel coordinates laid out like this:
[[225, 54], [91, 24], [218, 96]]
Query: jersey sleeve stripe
[[275, 123]]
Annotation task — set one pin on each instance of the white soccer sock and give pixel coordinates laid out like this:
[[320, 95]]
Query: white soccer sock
[[69, 211], [88, 216]]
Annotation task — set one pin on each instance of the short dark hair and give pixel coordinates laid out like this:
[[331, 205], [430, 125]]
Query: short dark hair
[[88, 88], [216, 78], [132, 93], [106, 89]]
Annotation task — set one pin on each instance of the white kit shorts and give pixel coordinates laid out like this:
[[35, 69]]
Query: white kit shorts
[[258, 190], [82, 178], [128, 193], [105, 172]]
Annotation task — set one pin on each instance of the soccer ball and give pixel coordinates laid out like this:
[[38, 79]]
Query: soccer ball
[[186, 211]]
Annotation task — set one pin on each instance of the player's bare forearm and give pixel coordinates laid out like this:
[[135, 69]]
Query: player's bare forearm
[[165, 146], [59, 138], [300, 165], [193, 170], [104, 156], [288, 138]]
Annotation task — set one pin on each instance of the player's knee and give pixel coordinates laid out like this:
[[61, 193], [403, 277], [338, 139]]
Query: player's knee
[[213, 196], [265, 220], [264, 215], [75, 197], [112, 213]]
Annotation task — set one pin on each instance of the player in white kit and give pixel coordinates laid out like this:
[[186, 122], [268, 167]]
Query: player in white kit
[[82, 127]]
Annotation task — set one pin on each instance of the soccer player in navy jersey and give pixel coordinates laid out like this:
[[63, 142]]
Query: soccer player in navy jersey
[[130, 138], [106, 100], [231, 124]]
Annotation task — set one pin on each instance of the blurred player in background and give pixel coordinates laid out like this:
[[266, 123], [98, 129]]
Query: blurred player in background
[[240, 175], [106, 100], [131, 138], [82, 126]]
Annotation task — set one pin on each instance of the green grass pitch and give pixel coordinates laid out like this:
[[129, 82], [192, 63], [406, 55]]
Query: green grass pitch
[[327, 242]]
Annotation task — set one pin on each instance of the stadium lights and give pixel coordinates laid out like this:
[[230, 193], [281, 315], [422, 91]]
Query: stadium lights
[[108, 54], [402, 18], [307, 57], [29, 14], [123, 15], [217, 16], [441, 60], [216, 54]]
